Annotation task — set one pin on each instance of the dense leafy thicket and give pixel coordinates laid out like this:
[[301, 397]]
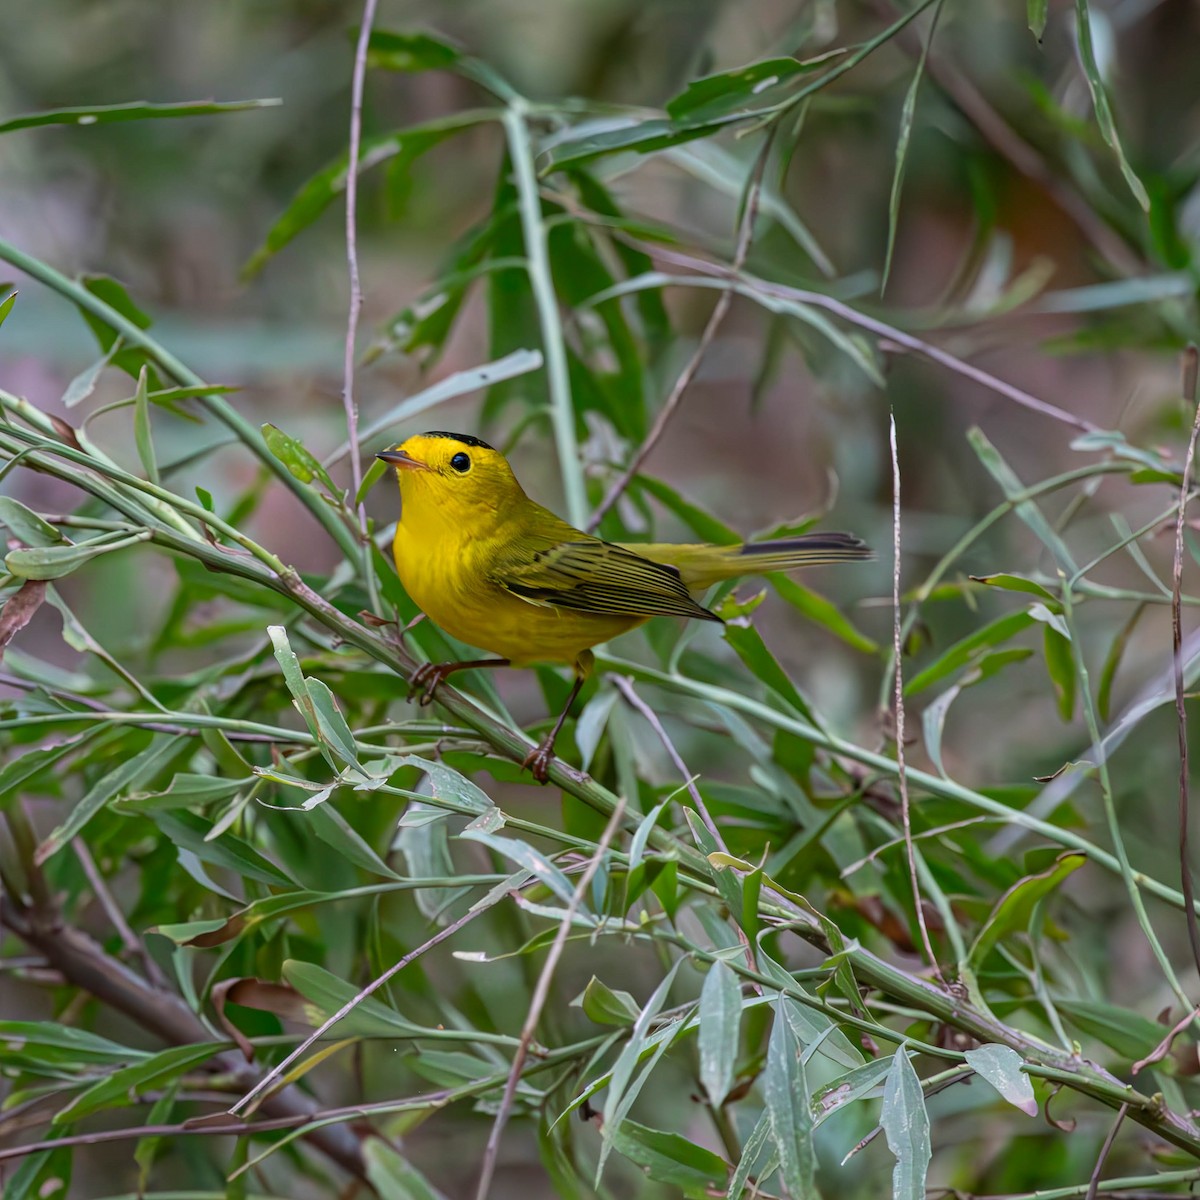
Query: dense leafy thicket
[[700, 270]]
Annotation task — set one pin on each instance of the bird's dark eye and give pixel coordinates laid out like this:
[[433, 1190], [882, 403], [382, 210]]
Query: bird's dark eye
[[461, 463]]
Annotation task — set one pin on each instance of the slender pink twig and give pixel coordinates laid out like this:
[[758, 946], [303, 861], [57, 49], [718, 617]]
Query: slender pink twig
[[897, 638], [356, 298]]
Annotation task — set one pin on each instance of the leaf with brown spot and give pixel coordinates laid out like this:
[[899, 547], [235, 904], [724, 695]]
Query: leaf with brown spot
[[19, 609]]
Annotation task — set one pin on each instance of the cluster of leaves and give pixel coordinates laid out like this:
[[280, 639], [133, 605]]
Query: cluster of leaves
[[265, 826]]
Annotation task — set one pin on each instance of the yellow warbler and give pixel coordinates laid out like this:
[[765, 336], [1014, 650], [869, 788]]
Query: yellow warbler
[[497, 570]]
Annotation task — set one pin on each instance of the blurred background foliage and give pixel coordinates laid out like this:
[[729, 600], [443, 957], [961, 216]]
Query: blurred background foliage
[[985, 218]]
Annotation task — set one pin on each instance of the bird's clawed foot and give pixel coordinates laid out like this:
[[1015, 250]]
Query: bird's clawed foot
[[426, 680], [538, 760]]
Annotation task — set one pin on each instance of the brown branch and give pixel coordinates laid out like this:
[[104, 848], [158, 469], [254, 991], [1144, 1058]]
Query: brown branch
[[84, 964], [715, 320], [1190, 363], [132, 943]]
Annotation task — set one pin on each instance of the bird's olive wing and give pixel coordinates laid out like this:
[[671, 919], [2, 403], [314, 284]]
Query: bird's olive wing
[[597, 577]]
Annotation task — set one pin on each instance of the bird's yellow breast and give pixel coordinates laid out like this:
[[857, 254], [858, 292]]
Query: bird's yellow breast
[[447, 577]]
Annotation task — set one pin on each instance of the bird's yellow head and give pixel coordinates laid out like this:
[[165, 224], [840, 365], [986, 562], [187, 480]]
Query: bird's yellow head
[[453, 478]]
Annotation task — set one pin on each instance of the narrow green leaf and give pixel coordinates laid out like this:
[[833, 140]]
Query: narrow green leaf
[[61, 1045], [451, 786], [700, 522], [334, 731], [135, 110], [1001, 1067], [1130, 1034], [188, 831], [6, 306], [751, 1160], [671, 1159], [461, 383], [1027, 510], [617, 1102], [752, 650], [1014, 910], [26, 525], [863, 1080], [289, 664], [524, 855], [822, 612], [1100, 102], [130, 773], [720, 1021], [1112, 662], [296, 457], [142, 434], [907, 116], [328, 993], [115, 1090], [330, 182], [1036, 13], [184, 791], [1014, 583], [785, 1092], [1060, 664], [905, 1124], [392, 1176], [963, 652], [53, 562], [409, 52], [84, 384], [607, 1007], [334, 830]]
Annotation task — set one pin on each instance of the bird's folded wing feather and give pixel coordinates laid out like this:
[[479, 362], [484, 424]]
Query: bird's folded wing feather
[[588, 575]]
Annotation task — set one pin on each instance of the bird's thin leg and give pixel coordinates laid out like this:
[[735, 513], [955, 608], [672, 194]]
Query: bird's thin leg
[[539, 758], [428, 677]]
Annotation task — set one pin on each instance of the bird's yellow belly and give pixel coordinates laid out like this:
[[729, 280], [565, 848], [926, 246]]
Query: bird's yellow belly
[[480, 613]]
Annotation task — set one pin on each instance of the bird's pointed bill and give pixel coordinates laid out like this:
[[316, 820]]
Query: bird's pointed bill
[[402, 460]]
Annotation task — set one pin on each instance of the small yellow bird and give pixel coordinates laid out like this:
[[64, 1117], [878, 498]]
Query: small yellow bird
[[497, 570]]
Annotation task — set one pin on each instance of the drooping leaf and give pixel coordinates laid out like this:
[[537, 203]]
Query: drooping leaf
[[1001, 1067], [905, 1124], [785, 1092], [671, 1159], [720, 1021], [1015, 908]]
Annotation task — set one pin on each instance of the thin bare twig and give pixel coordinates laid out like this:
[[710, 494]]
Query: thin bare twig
[[1191, 360], [889, 335], [31, 685], [356, 297], [538, 1002], [898, 647], [715, 320], [130, 940], [1094, 1184], [625, 687], [278, 1071], [1164, 1047]]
